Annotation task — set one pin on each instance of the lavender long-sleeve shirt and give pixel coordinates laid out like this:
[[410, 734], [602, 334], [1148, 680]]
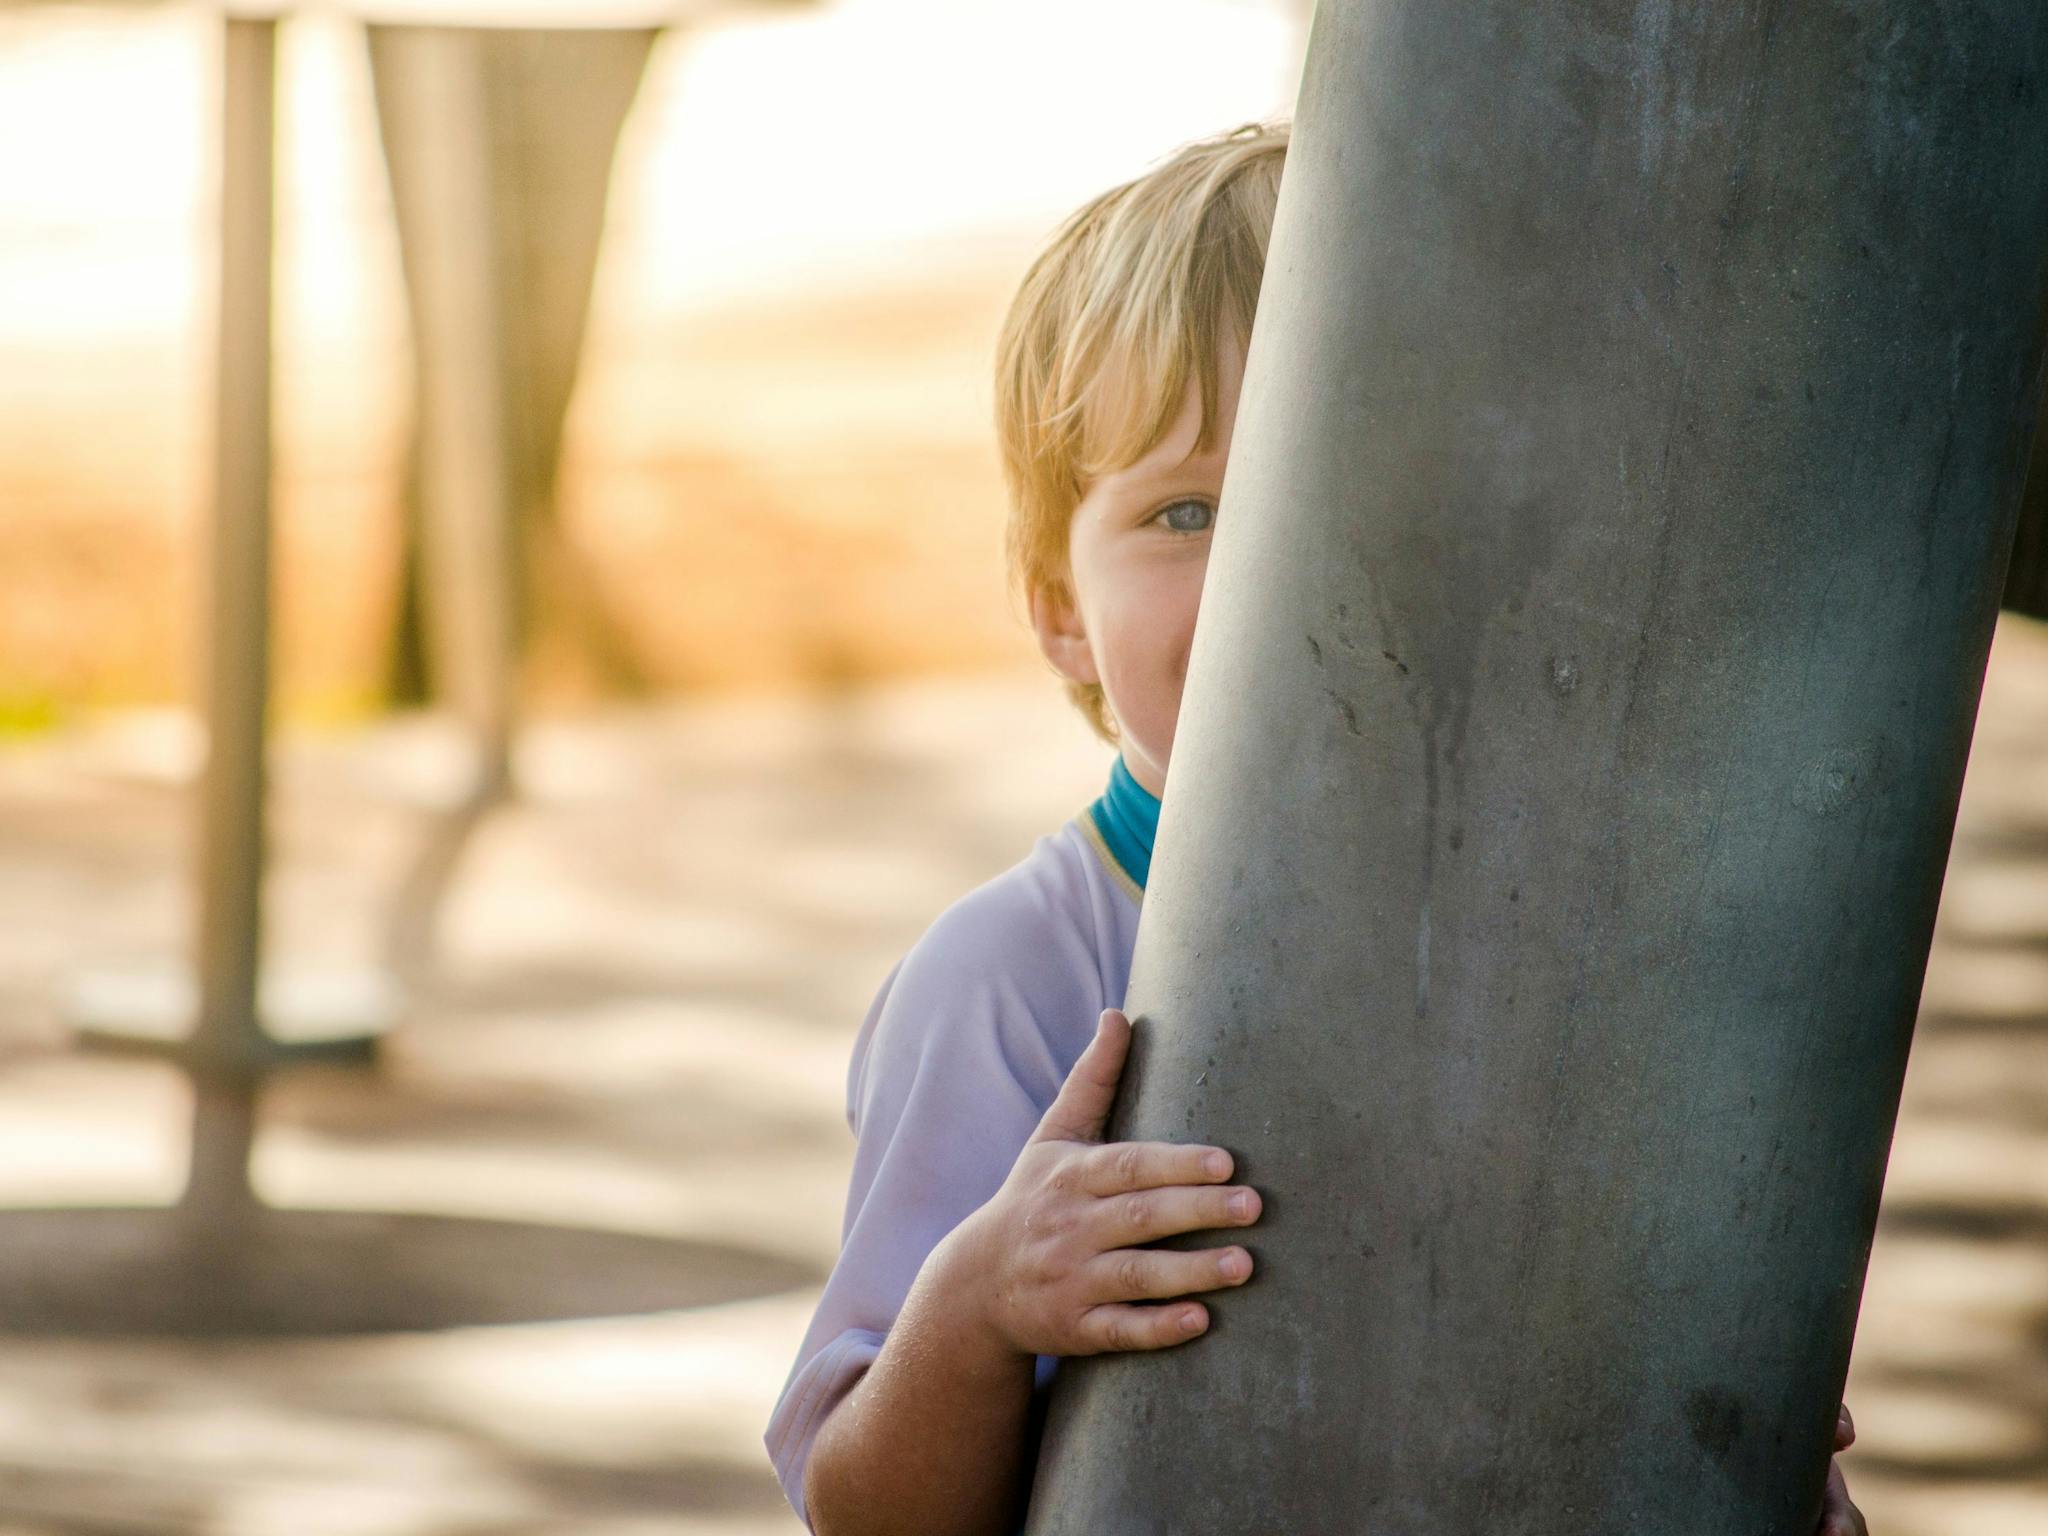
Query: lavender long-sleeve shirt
[[963, 1050]]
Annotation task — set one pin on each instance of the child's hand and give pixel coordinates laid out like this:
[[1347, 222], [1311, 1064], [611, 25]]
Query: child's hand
[[1838, 1517], [1049, 1257]]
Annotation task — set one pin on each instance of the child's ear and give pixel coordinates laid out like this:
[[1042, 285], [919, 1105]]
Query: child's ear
[[1056, 619]]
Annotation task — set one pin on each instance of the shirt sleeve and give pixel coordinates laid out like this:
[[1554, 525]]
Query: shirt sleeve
[[963, 1049]]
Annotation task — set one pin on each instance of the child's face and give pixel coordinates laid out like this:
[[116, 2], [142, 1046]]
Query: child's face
[[1137, 550]]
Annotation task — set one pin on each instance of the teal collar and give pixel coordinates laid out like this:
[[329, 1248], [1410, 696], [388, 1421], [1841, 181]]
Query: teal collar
[[1126, 816]]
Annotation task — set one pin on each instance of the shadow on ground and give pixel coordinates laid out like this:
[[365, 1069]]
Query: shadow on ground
[[155, 1273]]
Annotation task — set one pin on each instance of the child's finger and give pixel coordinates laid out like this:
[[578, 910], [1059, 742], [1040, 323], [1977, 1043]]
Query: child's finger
[[1838, 1515], [1119, 1326], [1127, 1165], [1081, 1108], [1146, 1215], [1154, 1274], [1845, 1429]]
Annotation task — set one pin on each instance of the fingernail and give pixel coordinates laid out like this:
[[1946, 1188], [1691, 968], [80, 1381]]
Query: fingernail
[[1190, 1321], [1217, 1163]]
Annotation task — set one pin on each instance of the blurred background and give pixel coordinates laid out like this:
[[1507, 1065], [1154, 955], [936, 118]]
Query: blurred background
[[641, 681]]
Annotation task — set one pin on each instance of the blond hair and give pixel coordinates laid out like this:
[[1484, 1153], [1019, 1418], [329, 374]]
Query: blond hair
[[1132, 297]]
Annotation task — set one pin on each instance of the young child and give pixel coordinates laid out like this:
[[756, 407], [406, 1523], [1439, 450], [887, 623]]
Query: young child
[[987, 1231]]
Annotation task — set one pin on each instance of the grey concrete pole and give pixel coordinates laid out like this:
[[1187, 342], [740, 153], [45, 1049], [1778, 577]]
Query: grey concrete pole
[[1620, 497]]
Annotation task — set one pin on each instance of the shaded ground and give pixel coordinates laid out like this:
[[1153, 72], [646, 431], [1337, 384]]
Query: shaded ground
[[652, 970]]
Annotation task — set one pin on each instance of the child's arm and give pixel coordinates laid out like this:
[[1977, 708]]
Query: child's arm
[[931, 1439]]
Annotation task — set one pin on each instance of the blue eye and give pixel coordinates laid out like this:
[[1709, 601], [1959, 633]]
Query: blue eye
[[1203, 516]]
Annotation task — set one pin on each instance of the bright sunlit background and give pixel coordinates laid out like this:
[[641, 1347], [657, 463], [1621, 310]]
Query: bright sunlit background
[[786, 714], [778, 462]]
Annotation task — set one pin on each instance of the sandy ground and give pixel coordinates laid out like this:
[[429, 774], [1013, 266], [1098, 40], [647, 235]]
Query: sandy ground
[[651, 970]]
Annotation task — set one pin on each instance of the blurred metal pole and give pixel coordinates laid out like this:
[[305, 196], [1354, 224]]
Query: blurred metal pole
[[237, 1020], [1625, 475], [225, 1039]]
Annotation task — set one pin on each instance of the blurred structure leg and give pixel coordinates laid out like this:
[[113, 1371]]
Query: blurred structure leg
[[221, 1028], [499, 145], [238, 671], [229, 1050]]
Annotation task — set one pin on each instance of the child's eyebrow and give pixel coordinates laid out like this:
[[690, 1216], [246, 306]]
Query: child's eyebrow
[[1134, 491], [1142, 474]]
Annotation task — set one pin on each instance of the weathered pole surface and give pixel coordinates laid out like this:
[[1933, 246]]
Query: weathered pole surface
[[1619, 501]]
